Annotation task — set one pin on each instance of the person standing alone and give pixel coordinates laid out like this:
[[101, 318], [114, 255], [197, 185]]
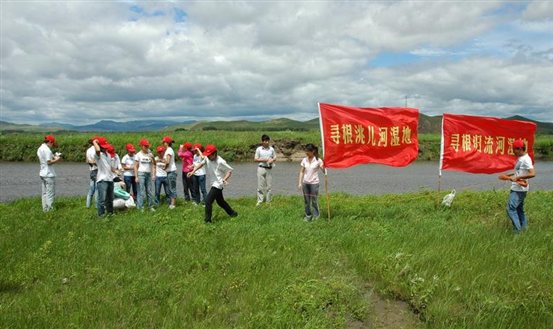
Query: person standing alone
[[265, 157], [524, 170], [47, 173]]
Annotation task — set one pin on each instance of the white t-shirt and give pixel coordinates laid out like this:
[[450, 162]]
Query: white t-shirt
[[218, 169], [160, 168], [262, 153], [116, 162], [44, 155], [522, 168], [104, 163], [311, 173], [129, 162], [197, 160], [144, 161], [171, 166], [90, 157]]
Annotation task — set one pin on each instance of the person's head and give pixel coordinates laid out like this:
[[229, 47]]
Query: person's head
[[187, 146], [311, 151], [110, 150], [167, 141], [210, 152], [519, 148], [130, 149], [144, 144], [265, 139], [50, 140], [198, 146], [160, 150]]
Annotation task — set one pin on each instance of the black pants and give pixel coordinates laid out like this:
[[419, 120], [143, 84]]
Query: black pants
[[187, 186], [216, 194]]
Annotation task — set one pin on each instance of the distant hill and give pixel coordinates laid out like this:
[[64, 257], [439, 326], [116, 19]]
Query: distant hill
[[427, 124]]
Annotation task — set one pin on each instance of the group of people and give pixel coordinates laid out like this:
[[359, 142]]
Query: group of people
[[139, 173]]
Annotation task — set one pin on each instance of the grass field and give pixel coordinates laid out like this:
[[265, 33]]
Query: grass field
[[234, 145], [459, 267]]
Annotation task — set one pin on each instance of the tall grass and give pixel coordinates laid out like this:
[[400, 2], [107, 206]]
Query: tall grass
[[234, 145], [458, 267]]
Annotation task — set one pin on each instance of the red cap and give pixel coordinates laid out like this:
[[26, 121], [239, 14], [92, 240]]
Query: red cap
[[130, 148], [160, 149], [209, 150], [144, 142], [101, 140], [518, 144], [187, 145], [197, 146], [50, 139], [110, 149], [167, 139], [104, 144]]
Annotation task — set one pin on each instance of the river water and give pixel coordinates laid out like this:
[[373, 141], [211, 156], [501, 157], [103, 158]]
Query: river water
[[20, 179]]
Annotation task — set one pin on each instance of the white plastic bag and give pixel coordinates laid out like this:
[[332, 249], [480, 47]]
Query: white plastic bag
[[448, 199]]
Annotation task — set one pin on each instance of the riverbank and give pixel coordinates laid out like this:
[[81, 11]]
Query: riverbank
[[233, 145], [20, 179], [381, 262]]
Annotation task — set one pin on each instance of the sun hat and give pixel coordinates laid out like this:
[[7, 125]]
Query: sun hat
[[518, 144], [197, 146], [160, 149], [209, 149], [187, 145], [144, 142], [130, 148], [167, 139], [50, 139]]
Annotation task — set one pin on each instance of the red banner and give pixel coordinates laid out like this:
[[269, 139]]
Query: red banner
[[352, 135], [482, 144]]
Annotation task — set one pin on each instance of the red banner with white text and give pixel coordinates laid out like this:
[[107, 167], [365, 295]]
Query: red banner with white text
[[352, 135], [482, 144]]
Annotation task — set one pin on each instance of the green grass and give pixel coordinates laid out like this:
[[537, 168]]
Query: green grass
[[460, 267], [234, 145]]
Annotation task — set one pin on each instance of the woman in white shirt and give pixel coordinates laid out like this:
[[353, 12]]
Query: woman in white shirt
[[145, 171], [308, 181], [127, 163]]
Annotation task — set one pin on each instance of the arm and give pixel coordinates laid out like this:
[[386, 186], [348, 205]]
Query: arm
[[136, 170], [531, 174], [300, 178], [201, 164], [153, 167], [227, 176], [181, 152]]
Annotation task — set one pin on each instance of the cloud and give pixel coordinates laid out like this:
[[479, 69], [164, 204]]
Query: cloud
[[79, 62]]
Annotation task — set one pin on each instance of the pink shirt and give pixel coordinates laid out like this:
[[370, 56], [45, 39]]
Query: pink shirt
[[187, 159]]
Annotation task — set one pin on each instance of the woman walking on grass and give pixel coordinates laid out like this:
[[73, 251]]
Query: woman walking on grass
[[308, 181]]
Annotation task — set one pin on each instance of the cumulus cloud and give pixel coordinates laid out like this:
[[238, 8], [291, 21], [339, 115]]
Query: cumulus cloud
[[79, 62]]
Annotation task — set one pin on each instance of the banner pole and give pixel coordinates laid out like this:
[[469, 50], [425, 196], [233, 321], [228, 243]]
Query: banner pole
[[327, 195], [441, 155]]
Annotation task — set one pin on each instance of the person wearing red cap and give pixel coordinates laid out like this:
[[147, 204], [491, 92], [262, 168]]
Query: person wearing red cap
[[145, 171], [220, 174], [198, 179], [127, 163], [187, 157], [161, 175], [93, 169], [524, 170], [171, 169], [104, 179], [47, 174]]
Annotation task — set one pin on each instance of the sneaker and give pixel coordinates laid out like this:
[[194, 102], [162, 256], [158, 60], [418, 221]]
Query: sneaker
[[152, 209], [195, 204], [315, 217], [171, 206], [307, 218], [258, 203], [234, 214]]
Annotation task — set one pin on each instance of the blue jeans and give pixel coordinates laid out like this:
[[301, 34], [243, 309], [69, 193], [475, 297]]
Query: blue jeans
[[311, 199], [172, 185], [104, 199], [198, 184], [162, 181], [91, 187], [145, 190], [515, 210], [130, 181]]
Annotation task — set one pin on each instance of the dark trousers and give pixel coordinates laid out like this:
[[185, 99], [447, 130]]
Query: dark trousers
[[198, 185], [216, 194], [187, 186], [104, 199], [130, 182]]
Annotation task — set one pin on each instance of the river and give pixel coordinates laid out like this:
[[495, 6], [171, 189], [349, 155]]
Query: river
[[20, 179]]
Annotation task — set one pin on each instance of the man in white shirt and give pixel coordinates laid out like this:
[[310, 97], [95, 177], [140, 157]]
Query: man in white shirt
[[265, 157], [90, 160], [524, 170], [47, 173], [220, 174]]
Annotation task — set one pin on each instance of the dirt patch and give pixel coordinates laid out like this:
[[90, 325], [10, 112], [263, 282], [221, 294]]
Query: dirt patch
[[386, 313], [286, 150]]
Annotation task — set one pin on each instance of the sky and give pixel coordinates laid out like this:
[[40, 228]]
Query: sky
[[79, 62]]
